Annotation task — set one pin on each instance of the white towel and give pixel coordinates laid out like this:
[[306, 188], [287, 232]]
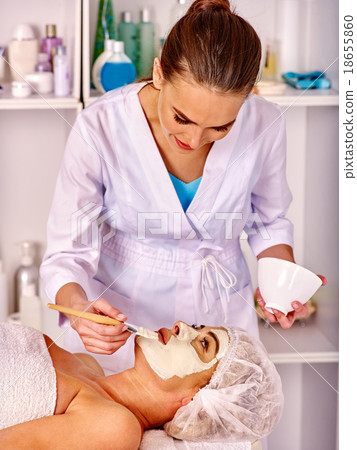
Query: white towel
[[159, 440], [27, 377]]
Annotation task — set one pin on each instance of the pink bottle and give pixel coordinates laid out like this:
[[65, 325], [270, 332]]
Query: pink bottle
[[49, 43]]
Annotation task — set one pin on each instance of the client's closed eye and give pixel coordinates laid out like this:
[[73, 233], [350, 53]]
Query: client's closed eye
[[204, 343]]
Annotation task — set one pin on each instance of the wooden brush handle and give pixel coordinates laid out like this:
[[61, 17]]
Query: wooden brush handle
[[85, 315]]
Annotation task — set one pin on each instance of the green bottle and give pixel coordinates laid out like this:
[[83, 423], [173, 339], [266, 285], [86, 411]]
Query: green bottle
[[127, 34], [145, 45], [105, 27]]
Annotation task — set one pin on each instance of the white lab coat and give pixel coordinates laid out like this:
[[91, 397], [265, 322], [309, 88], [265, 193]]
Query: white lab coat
[[149, 259]]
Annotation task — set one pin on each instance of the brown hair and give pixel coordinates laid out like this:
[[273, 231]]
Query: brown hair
[[218, 48]]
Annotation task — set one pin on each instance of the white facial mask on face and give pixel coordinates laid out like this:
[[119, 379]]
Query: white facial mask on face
[[178, 357]]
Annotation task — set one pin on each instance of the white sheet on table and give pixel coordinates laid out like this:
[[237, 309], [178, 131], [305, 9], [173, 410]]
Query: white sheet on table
[[159, 440]]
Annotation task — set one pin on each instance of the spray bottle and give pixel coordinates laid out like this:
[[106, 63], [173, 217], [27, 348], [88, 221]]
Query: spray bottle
[[27, 288]]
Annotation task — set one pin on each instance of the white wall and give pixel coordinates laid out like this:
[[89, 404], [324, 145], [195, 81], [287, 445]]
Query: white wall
[[31, 148]]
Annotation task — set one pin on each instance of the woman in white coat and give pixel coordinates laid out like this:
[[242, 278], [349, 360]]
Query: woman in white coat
[[157, 183]]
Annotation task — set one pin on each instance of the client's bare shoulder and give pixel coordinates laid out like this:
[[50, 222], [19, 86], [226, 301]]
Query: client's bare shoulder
[[112, 423], [82, 399], [71, 363]]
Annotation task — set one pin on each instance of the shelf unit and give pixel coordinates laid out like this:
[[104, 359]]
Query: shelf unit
[[292, 97], [67, 16]]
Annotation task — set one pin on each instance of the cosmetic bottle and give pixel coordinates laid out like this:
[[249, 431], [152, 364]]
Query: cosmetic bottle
[[27, 276], [4, 301], [145, 45], [22, 52], [43, 64], [99, 63], [61, 72], [105, 27], [31, 310], [269, 70], [127, 34], [118, 70], [50, 42]]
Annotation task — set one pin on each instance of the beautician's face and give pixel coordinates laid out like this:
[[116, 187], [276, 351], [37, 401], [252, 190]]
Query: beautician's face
[[184, 350], [192, 117]]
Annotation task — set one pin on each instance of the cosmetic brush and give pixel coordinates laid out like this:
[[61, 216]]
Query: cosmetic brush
[[104, 320]]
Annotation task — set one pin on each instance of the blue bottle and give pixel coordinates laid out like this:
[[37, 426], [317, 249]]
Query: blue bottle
[[118, 70]]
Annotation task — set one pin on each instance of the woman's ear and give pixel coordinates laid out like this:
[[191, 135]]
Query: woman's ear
[[186, 400], [157, 74]]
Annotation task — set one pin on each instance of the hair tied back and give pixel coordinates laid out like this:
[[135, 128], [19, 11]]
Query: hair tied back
[[206, 5]]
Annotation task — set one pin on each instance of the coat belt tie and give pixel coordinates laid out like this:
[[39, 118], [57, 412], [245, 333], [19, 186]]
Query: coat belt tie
[[225, 279]]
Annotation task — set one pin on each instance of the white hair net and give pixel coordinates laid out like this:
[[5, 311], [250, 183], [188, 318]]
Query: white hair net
[[243, 400]]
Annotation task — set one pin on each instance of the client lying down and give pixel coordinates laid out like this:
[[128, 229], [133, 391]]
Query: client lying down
[[200, 383]]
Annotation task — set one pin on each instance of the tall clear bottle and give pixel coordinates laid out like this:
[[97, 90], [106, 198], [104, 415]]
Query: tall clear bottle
[[145, 45], [27, 275], [61, 72]]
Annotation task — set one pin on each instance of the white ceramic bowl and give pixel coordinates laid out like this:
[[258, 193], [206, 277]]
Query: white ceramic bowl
[[282, 282]]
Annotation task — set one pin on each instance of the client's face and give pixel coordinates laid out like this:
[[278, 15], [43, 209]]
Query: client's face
[[184, 350]]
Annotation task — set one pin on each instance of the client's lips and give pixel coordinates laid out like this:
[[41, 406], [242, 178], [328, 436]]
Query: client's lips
[[163, 336], [182, 145]]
